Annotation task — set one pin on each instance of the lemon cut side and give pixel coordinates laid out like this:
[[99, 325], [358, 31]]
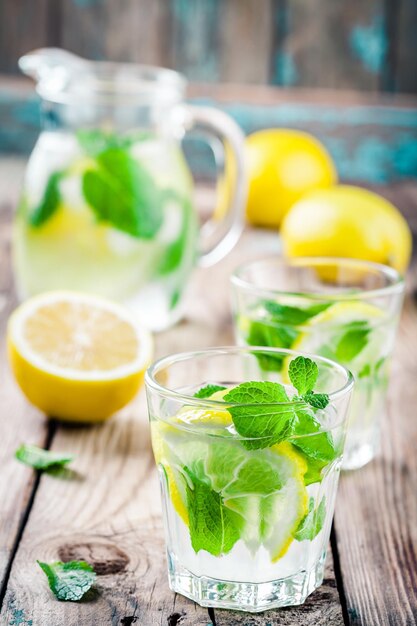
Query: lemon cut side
[[77, 357]]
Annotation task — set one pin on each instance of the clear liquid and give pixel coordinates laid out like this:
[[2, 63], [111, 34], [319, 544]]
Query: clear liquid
[[269, 565], [73, 249], [370, 366]]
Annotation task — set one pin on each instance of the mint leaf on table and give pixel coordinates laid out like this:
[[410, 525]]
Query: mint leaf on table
[[41, 459], [291, 315], [123, 194], [208, 390], [213, 527], [312, 523], [69, 581], [258, 415], [303, 374], [263, 334], [49, 203], [352, 341]]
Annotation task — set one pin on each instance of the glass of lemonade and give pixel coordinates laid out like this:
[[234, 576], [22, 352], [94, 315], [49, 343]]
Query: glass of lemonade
[[107, 202], [248, 460], [343, 309]]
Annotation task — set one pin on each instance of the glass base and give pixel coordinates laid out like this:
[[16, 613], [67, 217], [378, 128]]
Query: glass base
[[358, 456], [239, 596]]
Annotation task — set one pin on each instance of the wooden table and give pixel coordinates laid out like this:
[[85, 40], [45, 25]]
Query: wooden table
[[107, 510]]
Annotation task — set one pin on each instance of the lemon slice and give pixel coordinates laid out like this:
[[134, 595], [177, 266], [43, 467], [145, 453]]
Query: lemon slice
[[77, 357]]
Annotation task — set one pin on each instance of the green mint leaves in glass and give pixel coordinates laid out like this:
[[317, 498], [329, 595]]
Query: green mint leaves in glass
[[248, 464], [107, 203], [342, 309]]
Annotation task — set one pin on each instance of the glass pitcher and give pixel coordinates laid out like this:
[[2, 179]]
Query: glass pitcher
[[107, 203]]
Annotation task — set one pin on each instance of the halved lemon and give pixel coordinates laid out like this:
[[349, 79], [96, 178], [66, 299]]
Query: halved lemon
[[77, 357]]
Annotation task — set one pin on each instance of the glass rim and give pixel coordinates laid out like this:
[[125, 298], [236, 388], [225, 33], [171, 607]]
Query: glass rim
[[171, 359], [396, 286], [164, 85]]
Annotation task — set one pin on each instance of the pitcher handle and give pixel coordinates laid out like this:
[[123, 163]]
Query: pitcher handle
[[219, 236]]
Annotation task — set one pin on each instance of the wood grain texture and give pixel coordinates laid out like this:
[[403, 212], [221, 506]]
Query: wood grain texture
[[332, 44], [406, 47], [18, 422], [376, 509], [195, 38], [245, 25]]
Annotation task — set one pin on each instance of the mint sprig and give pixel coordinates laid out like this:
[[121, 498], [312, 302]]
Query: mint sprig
[[352, 341], [208, 390], [41, 459], [69, 581], [291, 315], [49, 202], [312, 523], [303, 373], [123, 194], [212, 526], [263, 413]]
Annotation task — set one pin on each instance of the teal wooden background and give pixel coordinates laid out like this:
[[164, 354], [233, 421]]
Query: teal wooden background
[[368, 47], [357, 44]]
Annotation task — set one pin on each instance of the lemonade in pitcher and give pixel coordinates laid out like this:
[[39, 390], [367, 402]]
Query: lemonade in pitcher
[[107, 202], [110, 213]]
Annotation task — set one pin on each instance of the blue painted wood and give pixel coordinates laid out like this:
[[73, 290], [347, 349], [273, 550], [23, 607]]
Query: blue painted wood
[[195, 38], [372, 144]]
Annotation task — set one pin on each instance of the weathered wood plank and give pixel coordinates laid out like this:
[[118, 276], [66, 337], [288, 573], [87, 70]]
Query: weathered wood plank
[[376, 509], [406, 47], [332, 44], [137, 32], [18, 422], [24, 26], [195, 38], [244, 26], [371, 138]]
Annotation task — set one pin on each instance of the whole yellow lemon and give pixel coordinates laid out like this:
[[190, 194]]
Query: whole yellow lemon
[[282, 166], [347, 221]]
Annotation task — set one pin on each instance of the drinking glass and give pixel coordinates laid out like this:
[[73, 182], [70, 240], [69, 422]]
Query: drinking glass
[[247, 520], [107, 202], [343, 309]]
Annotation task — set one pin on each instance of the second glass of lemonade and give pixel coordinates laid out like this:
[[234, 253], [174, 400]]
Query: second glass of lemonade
[[342, 309], [248, 461]]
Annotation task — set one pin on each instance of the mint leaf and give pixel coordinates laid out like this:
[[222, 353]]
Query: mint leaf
[[263, 421], [41, 459], [49, 203], [256, 476], [263, 334], [353, 341], [174, 252], [208, 390], [213, 527], [69, 581], [312, 523], [123, 194], [303, 373], [320, 446], [294, 316], [317, 400]]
